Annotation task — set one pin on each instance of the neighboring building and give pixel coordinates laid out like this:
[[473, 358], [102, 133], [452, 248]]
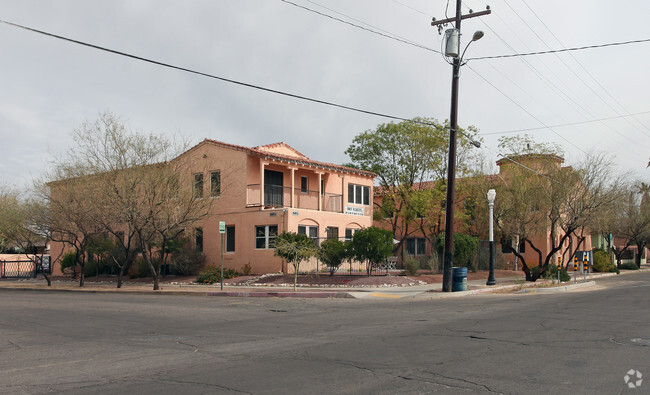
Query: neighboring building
[[262, 191], [417, 245]]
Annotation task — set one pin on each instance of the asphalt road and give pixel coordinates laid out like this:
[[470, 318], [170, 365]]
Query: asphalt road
[[81, 343]]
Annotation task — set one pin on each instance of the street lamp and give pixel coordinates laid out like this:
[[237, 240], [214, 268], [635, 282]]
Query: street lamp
[[452, 50], [491, 194]]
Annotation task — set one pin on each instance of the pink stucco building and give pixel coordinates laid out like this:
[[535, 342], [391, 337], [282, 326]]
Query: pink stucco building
[[262, 191]]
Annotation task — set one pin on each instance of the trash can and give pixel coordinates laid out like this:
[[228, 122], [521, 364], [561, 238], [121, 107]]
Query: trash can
[[459, 279]]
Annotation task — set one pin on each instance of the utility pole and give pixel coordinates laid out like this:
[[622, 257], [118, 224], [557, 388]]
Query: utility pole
[[453, 134]]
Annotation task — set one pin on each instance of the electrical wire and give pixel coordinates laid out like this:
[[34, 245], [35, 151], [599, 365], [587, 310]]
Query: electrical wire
[[526, 111], [386, 34], [203, 74], [564, 124], [516, 55]]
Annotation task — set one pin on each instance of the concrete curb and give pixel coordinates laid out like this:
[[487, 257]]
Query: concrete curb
[[281, 294], [565, 288]]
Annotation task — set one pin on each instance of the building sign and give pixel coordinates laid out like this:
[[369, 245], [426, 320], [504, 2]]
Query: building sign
[[354, 210]]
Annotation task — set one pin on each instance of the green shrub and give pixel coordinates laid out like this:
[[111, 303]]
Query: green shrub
[[212, 274], [90, 268], [602, 263], [69, 259], [551, 273], [629, 266], [411, 266], [246, 269], [139, 268], [186, 260], [465, 246], [332, 252]]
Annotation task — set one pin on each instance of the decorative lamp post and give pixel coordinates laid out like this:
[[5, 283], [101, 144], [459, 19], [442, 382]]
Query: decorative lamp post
[[490, 196]]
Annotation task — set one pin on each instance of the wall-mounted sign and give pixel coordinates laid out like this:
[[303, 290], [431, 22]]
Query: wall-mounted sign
[[354, 210], [294, 213]]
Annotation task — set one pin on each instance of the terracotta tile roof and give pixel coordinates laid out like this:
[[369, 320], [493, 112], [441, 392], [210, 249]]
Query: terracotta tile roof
[[265, 153]]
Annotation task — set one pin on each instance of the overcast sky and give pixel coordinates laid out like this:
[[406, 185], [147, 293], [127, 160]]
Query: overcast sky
[[49, 87]]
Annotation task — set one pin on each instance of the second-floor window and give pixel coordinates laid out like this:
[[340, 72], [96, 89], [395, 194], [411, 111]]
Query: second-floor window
[[215, 183], [198, 185], [359, 194], [304, 184]]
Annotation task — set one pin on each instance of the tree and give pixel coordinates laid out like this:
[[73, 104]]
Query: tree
[[21, 225], [332, 253], [294, 248], [540, 196], [410, 160], [631, 222], [130, 185], [372, 245]]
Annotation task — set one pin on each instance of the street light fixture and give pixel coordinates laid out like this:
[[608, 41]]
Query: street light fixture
[[491, 195]]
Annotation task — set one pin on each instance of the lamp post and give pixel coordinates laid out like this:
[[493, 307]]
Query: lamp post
[[491, 195], [452, 50]]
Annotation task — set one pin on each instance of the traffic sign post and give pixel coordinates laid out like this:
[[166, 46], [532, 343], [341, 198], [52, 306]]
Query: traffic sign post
[[559, 268], [575, 269], [585, 268], [222, 230]]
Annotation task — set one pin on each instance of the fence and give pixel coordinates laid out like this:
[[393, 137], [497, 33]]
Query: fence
[[24, 268]]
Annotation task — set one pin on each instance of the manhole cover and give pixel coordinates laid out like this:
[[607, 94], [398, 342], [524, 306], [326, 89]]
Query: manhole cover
[[641, 342]]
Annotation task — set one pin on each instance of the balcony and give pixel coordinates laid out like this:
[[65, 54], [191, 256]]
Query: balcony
[[279, 196]]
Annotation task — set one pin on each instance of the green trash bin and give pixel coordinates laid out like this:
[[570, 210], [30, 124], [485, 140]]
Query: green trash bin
[[459, 279]]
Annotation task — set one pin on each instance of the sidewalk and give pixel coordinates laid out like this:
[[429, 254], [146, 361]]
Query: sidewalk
[[504, 284]]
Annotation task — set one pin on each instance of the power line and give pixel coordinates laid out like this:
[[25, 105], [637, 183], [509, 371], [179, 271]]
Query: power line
[[249, 85], [564, 124], [516, 55], [386, 34], [526, 111]]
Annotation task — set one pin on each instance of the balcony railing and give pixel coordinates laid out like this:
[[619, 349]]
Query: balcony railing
[[279, 196]]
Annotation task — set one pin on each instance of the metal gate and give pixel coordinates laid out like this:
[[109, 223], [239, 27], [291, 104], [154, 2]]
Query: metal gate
[[23, 268]]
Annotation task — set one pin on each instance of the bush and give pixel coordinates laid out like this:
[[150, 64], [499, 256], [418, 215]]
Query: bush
[[629, 266], [411, 266], [139, 268], [465, 246], [186, 260], [332, 253], [69, 259], [602, 263], [246, 269], [551, 273], [90, 268], [212, 274]]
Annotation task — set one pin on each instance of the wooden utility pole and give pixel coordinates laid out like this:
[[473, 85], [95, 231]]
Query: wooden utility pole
[[453, 135]]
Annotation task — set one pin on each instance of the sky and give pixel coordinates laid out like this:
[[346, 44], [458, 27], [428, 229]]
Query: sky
[[49, 87]]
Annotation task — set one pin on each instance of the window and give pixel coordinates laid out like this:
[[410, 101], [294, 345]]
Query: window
[[198, 185], [322, 187], [332, 232], [230, 238], [416, 246], [215, 183], [359, 194], [265, 236], [311, 231], [349, 233], [304, 184], [198, 239]]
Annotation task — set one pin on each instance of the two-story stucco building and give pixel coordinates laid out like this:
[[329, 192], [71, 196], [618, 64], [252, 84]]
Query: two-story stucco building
[[262, 191]]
